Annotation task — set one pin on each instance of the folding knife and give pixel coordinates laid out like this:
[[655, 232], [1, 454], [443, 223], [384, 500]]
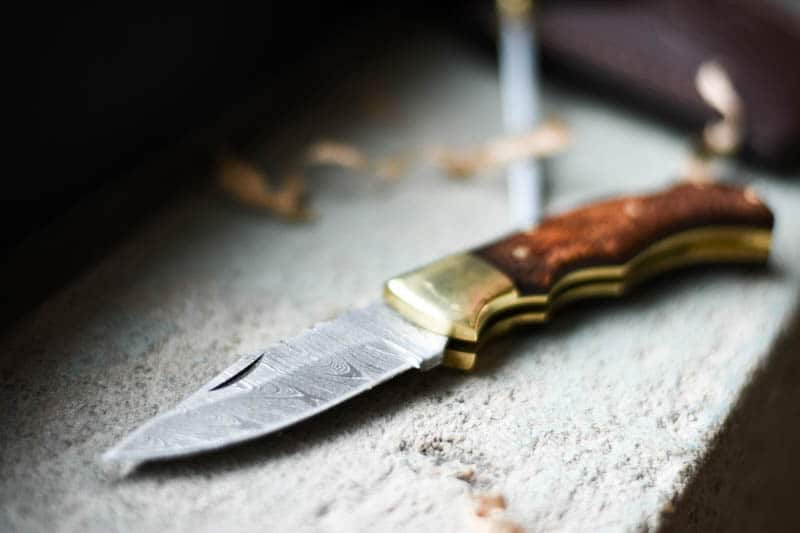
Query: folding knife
[[442, 313]]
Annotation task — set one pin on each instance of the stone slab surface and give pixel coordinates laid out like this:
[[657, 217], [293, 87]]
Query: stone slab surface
[[599, 421]]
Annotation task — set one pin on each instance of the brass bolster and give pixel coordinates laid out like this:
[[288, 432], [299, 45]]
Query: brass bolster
[[471, 301]]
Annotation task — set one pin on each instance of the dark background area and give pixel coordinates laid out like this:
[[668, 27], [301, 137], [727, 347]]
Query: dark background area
[[128, 103], [118, 84]]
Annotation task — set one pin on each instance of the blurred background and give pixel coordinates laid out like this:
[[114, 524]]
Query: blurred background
[[126, 98]]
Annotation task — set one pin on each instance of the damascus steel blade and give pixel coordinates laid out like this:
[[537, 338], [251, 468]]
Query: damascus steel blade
[[286, 383]]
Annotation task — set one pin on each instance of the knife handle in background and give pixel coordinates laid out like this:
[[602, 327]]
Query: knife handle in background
[[598, 250]]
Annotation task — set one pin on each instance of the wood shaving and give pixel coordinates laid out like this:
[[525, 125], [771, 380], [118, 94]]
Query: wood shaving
[[288, 198], [486, 504], [698, 169], [488, 515], [546, 140], [716, 89], [467, 474], [350, 156], [390, 168], [337, 153], [720, 137], [246, 184]]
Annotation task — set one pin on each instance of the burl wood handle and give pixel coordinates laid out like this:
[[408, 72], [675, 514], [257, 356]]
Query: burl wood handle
[[598, 250], [615, 231]]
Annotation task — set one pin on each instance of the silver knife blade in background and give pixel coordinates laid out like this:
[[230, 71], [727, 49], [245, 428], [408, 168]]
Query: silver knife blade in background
[[519, 94], [286, 383]]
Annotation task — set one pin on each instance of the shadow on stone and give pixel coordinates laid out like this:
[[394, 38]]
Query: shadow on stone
[[749, 479]]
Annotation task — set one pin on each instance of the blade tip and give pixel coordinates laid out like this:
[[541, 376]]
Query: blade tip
[[115, 462]]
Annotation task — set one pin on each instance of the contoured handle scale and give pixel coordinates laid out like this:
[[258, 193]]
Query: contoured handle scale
[[601, 249]]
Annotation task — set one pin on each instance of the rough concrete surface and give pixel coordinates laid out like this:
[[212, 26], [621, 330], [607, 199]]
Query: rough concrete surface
[[611, 418]]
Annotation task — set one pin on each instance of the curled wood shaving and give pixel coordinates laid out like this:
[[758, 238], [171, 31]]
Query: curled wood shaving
[[466, 474], [698, 169], [351, 157], [486, 504], [337, 153], [724, 136], [720, 137], [248, 185], [488, 515], [288, 198], [546, 140]]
